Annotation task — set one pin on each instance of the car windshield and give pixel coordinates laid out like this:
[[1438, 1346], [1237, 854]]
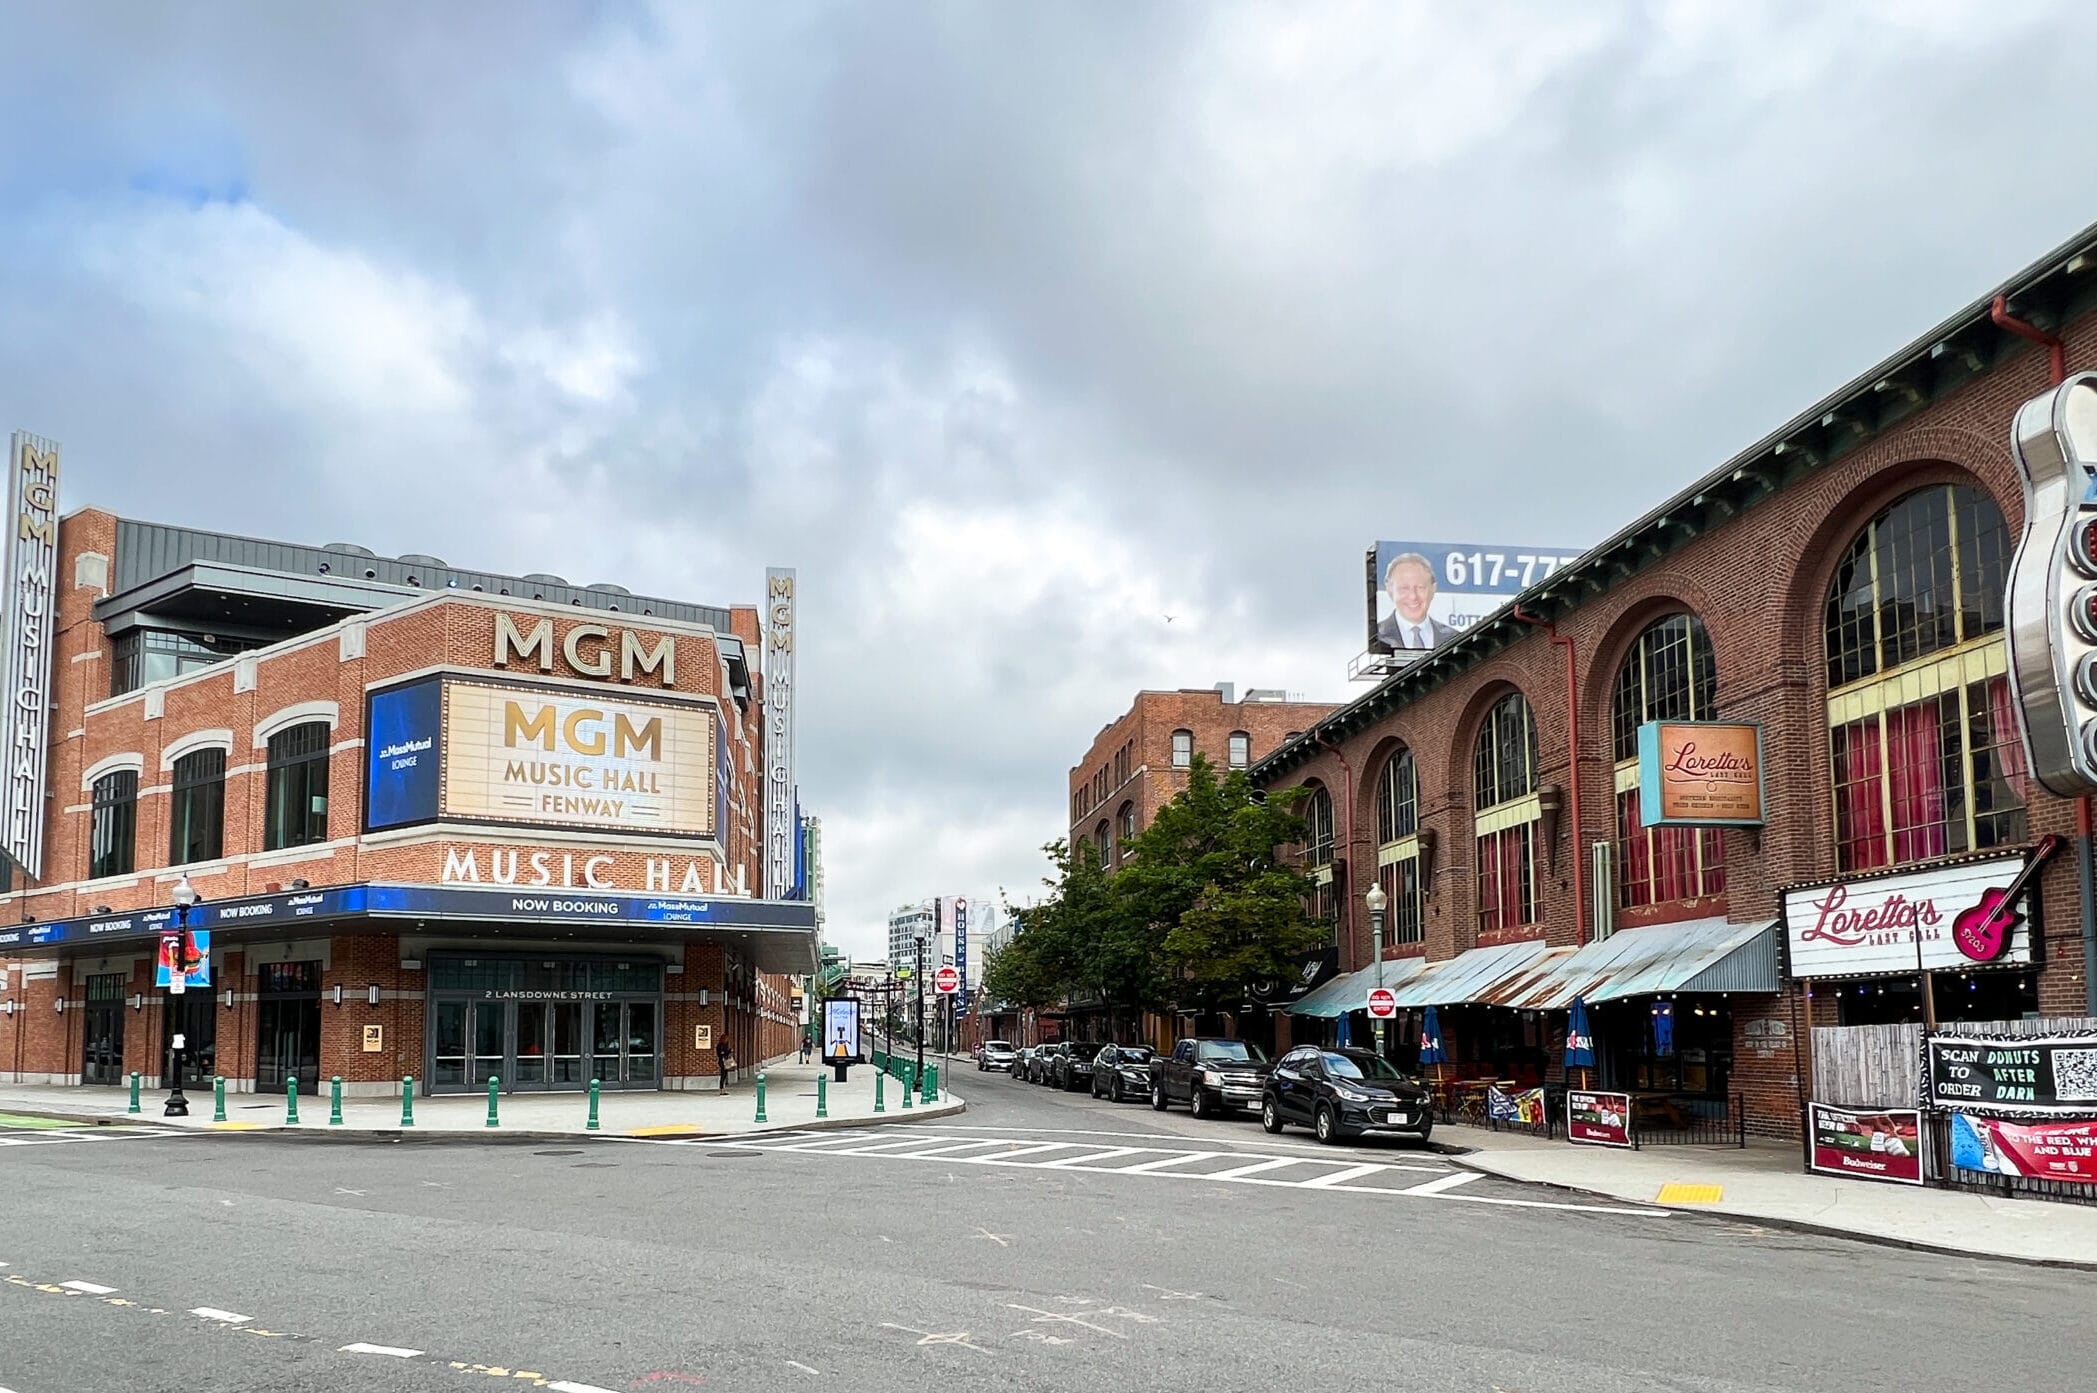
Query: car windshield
[[1136, 1054], [994, 1047], [1361, 1066], [1230, 1052]]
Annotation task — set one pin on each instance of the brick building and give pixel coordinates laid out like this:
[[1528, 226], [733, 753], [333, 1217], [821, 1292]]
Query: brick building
[[1840, 585], [1138, 762], [438, 823]]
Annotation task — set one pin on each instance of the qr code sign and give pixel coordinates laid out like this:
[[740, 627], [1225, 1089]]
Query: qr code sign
[[2075, 1074]]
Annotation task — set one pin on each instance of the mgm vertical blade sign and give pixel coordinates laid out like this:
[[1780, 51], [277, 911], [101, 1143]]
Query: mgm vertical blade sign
[[782, 834], [30, 594], [2053, 586]]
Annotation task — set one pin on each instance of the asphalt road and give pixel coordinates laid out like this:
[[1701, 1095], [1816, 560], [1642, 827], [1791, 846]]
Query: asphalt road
[[1017, 1258]]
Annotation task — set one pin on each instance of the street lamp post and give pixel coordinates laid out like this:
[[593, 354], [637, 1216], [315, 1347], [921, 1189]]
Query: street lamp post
[[1376, 899], [185, 898], [917, 980]]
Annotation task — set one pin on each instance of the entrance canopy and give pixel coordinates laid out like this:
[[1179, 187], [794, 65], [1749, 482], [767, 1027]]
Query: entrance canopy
[[1472, 976], [1351, 991], [1702, 955]]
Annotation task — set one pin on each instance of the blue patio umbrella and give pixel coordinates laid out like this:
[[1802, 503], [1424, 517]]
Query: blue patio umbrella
[[1579, 1039], [1343, 1037], [1431, 1051]]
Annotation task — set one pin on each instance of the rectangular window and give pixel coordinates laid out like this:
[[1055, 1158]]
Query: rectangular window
[[1408, 900], [1507, 878], [113, 828], [1658, 864], [197, 808], [1938, 777], [296, 813], [153, 655], [1241, 750], [1182, 749]]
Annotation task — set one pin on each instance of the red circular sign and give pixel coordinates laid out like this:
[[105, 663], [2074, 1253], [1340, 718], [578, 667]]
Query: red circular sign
[[946, 981], [1383, 1003]]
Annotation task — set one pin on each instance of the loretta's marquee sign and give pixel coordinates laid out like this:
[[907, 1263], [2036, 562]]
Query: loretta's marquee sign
[[1965, 915], [28, 594]]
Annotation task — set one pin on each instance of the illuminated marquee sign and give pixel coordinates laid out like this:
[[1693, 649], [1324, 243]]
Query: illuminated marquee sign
[[781, 834], [29, 597]]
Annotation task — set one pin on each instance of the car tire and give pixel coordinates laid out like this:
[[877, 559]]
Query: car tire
[[1157, 1097], [1113, 1088], [1270, 1117], [1198, 1102], [1326, 1125]]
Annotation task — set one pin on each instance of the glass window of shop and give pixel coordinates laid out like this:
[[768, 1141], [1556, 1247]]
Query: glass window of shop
[[1503, 787], [197, 808], [1669, 675], [1667, 1045], [296, 813], [112, 843], [1398, 848], [1923, 738], [1958, 996], [544, 1025]]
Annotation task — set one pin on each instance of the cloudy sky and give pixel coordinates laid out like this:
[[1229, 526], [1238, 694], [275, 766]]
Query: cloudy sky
[[1014, 327]]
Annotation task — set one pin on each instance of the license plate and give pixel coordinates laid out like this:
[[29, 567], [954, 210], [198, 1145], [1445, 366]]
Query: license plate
[[1398, 1119]]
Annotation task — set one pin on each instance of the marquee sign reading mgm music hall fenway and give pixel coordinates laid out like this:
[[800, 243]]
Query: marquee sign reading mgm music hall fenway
[[442, 823]]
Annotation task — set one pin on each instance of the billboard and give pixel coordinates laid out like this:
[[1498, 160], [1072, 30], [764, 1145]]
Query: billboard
[[404, 755], [28, 594], [1422, 594]]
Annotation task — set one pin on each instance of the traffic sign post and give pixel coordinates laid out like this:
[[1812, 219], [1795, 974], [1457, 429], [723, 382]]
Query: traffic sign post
[[1383, 1004], [946, 981]]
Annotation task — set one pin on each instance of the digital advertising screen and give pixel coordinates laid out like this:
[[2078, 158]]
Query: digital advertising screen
[[841, 1030]]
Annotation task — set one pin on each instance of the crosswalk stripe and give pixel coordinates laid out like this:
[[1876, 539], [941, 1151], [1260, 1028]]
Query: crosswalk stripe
[[1326, 1182], [1034, 1149], [1447, 1182], [1174, 1159], [1255, 1168], [1108, 1154], [954, 1149]]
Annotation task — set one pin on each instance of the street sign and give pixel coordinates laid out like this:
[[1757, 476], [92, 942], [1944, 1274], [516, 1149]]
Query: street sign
[[1383, 1003], [946, 981]]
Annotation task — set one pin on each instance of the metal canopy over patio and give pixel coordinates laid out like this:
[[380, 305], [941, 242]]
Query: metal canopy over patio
[[1471, 976], [1350, 992]]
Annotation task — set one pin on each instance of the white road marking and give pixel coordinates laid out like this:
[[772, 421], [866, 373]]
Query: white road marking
[[797, 1364], [213, 1313], [1333, 1178], [946, 1150], [338, 1189], [563, 1386], [1236, 1171], [394, 1351], [1003, 1240], [89, 1287], [1173, 1160], [1110, 1152], [1033, 1150], [1445, 1183]]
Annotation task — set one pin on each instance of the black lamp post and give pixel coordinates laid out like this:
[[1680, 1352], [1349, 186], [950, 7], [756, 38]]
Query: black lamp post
[[1376, 899], [185, 898], [917, 980]]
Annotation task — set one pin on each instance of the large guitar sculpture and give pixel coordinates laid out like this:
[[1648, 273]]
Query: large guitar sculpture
[[1983, 931]]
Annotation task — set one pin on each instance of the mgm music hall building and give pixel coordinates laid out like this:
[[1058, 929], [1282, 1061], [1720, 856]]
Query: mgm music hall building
[[439, 823]]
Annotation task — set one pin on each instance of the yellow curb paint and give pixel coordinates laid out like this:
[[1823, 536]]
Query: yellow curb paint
[[237, 1126], [1690, 1194], [673, 1130]]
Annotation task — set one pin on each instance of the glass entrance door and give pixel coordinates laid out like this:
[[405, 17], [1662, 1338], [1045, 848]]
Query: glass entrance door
[[287, 1031], [102, 1052], [627, 1047], [487, 1031]]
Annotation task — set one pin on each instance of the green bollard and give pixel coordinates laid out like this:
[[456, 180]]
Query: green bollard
[[931, 1094], [760, 1095], [218, 1098], [909, 1086], [591, 1125], [291, 1101], [407, 1101], [880, 1103], [134, 1092], [335, 1101], [822, 1096], [494, 1084]]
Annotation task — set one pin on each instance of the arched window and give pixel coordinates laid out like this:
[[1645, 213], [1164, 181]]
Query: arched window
[[1503, 790], [1182, 749], [1318, 852], [1241, 750], [1669, 675], [196, 828], [1922, 737], [296, 808], [1398, 849], [113, 825]]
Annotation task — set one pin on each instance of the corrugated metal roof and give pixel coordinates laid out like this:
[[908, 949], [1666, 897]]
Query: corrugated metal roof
[[1707, 955], [1470, 976], [1350, 992]]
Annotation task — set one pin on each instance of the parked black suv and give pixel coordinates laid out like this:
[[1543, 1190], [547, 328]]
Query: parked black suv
[[1344, 1093], [1122, 1071], [1209, 1076], [1074, 1065]]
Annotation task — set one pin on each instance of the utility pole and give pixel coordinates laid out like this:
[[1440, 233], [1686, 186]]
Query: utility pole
[[918, 980]]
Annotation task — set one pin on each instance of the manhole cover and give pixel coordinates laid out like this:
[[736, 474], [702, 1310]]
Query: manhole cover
[[576, 1152]]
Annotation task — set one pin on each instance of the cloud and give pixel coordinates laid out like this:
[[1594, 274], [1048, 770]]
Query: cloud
[[1014, 329]]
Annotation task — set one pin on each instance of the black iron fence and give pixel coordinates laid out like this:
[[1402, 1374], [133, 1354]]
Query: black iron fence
[[1679, 1120], [1513, 1112], [1945, 1176]]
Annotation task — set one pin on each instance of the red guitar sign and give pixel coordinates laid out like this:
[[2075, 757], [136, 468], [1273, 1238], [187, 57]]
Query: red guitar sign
[[1983, 931]]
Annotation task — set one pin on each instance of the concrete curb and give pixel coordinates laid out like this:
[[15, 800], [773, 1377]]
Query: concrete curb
[[1468, 1160], [321, 1132]]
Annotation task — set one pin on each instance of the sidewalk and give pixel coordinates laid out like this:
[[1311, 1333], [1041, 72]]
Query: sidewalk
[[790, 1102], [1766, 1181]]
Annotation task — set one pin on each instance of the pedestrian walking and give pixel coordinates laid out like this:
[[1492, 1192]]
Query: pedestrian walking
[[807, 1048], [725, 1056]]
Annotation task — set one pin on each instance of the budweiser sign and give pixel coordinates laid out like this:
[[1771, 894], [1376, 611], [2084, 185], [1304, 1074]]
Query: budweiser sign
[[1879, 924]]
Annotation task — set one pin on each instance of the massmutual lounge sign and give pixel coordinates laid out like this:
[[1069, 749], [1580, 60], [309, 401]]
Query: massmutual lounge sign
[[476, 751]]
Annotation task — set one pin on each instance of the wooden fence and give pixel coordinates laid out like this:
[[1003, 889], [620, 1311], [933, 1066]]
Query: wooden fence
[[1864, 1066]]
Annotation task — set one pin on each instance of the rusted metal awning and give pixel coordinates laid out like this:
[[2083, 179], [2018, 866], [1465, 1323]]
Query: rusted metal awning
[[1350, 992], [1473, 976], [1703, 955]]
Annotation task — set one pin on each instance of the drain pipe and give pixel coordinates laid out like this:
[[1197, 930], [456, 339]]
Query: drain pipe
[[1346, 826], [2085, 823], [1572, 722]]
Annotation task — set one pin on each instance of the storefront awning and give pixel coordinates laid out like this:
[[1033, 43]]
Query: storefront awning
[[1471, 976], [1350, 992], [1703, 955]]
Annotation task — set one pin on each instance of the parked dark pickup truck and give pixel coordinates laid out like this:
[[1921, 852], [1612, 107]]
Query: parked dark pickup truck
[[1209, 1076]]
